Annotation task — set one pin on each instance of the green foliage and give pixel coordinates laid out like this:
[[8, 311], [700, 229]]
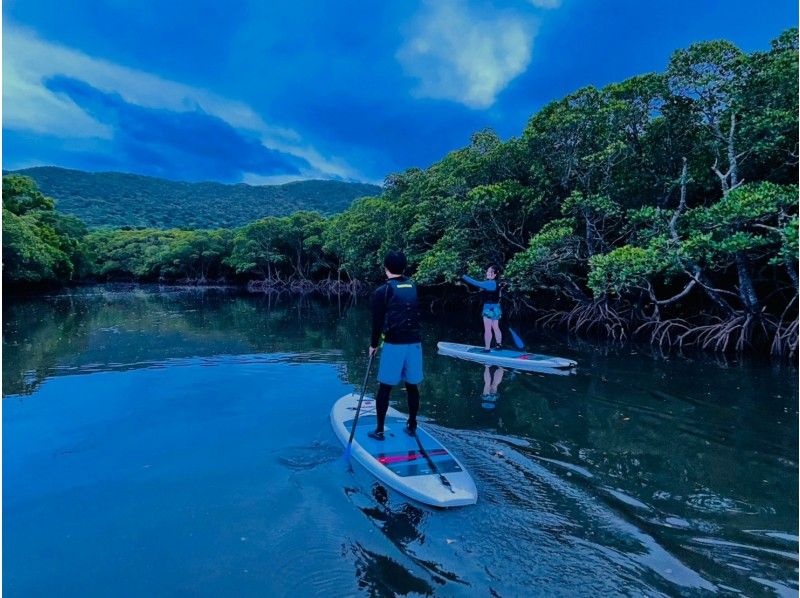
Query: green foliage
[[196, 254], [754, 202], [593, 206], [130, 253], [29, 251], [626, 268], [301, 239], [711, 75], [21, 195], [446, 260], [39, 245], [770, 104], [788, 252], [648, 221], [358, 238], [255, 248], [551, 255], [744, 221]]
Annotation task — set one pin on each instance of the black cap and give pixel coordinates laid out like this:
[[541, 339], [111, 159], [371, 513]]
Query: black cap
[[395, 262]]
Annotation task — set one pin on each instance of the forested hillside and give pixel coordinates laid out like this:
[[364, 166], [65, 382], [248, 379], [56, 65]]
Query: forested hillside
[[116, 199]]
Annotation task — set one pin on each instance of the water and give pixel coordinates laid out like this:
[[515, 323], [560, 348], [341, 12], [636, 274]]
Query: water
[[178, 443]]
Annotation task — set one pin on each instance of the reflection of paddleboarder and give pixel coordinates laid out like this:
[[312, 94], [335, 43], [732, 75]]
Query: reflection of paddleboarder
[[491, 381], [400, 523]]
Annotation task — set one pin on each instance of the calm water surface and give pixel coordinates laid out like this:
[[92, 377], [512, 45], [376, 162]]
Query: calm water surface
[[177, 443]]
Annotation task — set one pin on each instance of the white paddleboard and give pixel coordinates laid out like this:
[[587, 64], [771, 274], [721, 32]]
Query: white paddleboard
[[519, 360], [419, 467]]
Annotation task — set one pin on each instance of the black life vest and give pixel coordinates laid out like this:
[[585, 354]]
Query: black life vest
[[402, 308], [491, 296]]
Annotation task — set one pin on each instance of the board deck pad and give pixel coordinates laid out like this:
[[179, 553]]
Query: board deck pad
[[399, 452], [510, 358], [511, 354], [399, 461]]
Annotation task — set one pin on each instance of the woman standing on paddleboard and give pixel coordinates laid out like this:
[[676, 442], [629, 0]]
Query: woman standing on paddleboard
[[490, 293]]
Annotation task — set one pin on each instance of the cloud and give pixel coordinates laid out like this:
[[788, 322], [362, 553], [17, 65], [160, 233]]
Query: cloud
[[54, 109], [545, 3], [281, 179], [190, 145], [459, 54], [29, 106]]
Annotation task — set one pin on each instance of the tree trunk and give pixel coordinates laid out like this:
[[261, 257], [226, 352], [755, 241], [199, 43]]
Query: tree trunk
[[732, 164], [681, 204], [705, 284], [589, 235], [299, 267], [792, 270], [746, 290]]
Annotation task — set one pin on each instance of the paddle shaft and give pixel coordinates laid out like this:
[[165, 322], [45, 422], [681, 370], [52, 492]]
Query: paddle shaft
[[432, 465], [360, 400], [520, 344]]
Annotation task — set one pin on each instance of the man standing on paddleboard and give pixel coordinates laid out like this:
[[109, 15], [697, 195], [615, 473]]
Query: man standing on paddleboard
[[395, 314]]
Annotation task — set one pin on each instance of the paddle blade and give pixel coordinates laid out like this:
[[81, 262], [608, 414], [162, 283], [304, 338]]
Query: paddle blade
[[517, 340], [346, 460]]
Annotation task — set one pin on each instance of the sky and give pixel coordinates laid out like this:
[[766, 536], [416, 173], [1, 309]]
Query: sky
[[271, 92]]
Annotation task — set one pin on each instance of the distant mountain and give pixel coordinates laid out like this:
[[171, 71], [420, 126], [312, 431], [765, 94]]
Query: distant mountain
[[117, 199]]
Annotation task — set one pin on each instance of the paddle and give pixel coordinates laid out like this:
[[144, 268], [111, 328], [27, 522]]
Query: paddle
[[517, 340], [348, 449], [445, 482]]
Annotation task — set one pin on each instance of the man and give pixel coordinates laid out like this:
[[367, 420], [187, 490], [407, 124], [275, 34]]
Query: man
[[395, 313]]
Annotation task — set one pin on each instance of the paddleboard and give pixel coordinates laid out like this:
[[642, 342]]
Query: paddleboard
[[419, 467], [505, 357]]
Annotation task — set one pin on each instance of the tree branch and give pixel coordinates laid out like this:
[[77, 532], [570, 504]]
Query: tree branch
[[686, 290]]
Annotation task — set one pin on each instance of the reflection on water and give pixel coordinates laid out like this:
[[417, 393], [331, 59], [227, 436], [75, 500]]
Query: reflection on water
[[492, 377], [186, 434]]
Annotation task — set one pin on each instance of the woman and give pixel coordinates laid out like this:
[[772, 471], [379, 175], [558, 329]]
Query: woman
[[490, 293]]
